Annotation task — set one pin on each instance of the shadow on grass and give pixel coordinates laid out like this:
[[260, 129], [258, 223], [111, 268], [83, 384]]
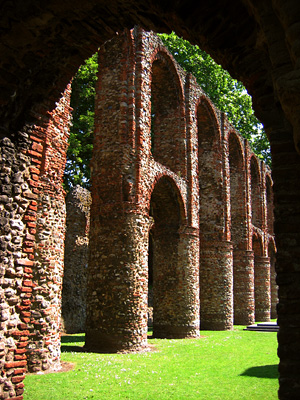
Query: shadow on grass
[[72, 338], [264, 371], [66, 348]]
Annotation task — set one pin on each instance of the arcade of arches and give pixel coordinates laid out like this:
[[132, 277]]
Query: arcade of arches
[[167, 169], [42, 45]]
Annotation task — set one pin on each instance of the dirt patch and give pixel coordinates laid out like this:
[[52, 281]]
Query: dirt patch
[[65, 367]]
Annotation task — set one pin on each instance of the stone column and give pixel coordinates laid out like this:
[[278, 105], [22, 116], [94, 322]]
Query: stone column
[[43, 351], [50, 142], [117, 283], [78, 203], [274, 292], [262, 288], [243, 286], [176, 284], [286, 177], [216, 286]]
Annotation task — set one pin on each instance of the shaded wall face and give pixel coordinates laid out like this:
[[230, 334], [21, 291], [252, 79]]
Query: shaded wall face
[[210, 170], [243, 260], [270, 207], [32, 242], [216, 283], [256, 196], [117, 283], [262, 282], [237, 194], [44, 350], [175, 266], [273, 283], [17, 221], [167, 130], [164, 209], [259, 20], [78, 203]]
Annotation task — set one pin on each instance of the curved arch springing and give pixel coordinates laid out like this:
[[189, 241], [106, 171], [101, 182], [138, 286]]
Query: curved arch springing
[[168, 145], [215, 301], [274, 286], [257, 245], [256, 196], [164, 246], [210, 172], [269, 205], [262, 294], [243, 274], [237, 191], [166, 205]]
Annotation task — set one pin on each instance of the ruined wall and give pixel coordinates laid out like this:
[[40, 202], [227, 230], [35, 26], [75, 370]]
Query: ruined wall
[[32, 242], [143, 186], [43, 351], [18, 207], [239, 35], [140, 188], [78, 203]]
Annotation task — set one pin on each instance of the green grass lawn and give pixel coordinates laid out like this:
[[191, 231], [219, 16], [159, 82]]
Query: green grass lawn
[[219, 366]]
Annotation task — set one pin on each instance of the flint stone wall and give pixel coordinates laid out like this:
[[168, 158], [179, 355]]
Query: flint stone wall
[[78, 203], [190, 189], [163, 152], [32, 243]]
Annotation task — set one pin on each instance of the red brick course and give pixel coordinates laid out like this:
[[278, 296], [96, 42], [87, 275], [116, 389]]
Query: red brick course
[[183, 179], [151, 176]]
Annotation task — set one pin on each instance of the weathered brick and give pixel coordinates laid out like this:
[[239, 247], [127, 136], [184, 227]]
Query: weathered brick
[[37, 147], [15, 364], [34, 153], [18, 379], [20, 351], [25, 262], [20, 371]]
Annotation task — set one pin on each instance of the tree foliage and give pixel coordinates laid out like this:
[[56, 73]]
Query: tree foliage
[[226, 93], [81, 133]]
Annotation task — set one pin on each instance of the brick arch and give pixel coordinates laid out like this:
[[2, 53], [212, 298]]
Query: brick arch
[[237, 190], [241, 43], [274, 287], [177, 190], [257, 244], [173, 316], [169, 193], [256, 192], [269, 205], [160, 53], [262, 295], [210, 166], [243, 271], [215, 294], [167, 113]]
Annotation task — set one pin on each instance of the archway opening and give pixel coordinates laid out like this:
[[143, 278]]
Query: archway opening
[[215, 271], [262, 294], [167, 130], [256, 200], [210, 174], [274, 286], [164, 266], [237, 193], [270, 206], [243, 274], [150, 282]]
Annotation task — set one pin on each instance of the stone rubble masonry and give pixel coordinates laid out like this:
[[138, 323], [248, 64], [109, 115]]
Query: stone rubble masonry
[[78, 203], [168, 168], [32, 241]]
